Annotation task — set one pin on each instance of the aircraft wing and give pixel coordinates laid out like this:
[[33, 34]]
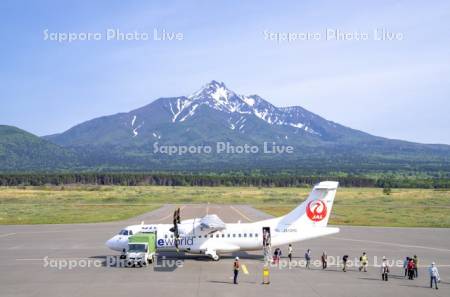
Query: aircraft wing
[[212, 223]]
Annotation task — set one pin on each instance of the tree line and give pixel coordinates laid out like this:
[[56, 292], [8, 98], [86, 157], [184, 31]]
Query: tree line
[[212, 180]]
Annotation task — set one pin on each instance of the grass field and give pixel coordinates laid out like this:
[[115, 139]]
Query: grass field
[[353, 206]]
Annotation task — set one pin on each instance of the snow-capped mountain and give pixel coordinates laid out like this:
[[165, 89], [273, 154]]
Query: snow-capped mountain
[[217, 96], [214, 114]]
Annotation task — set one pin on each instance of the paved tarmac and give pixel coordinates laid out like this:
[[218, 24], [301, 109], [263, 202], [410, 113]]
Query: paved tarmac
[[32, 259]]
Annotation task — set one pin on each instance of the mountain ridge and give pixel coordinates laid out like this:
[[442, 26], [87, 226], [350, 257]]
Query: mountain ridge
[[217, 96], [214, 114]]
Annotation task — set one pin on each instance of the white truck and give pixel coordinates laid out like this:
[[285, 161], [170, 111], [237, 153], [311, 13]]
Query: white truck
[[141, 249]]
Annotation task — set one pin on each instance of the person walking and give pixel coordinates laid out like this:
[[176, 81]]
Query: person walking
[[416, 266], [265, 238], [384, 269], [405, 266], [290, 252], [344, 261], [410, 269], [324, 260], [434, 275], [308, 259], [276, 256], [236, 267], [363, 262]]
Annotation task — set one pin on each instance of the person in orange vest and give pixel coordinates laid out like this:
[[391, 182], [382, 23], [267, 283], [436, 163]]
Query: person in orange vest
[[236, 267]]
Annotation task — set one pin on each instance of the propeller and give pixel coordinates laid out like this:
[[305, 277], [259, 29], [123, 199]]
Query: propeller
[[174, 229]]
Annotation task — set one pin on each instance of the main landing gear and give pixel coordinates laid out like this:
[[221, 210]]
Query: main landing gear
[[212, 254]]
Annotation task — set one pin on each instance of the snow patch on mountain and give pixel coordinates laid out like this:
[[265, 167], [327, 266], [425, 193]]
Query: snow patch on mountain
[[191, 113], [135, 129], [249, 101], [298, 125], [181, 105], [263, 115], [156, 134], [220, 94]]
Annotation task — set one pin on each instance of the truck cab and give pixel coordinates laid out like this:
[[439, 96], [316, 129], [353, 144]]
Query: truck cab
[[141, 249]]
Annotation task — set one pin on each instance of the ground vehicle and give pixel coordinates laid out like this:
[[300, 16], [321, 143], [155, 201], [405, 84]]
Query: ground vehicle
[[141, 249]]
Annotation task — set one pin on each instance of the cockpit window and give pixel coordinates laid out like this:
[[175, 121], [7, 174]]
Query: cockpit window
[[123, 232]]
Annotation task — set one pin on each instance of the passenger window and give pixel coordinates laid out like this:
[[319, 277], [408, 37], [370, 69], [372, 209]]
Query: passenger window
[[130, 233], [256, 234], [217, 235], [228, 235], [165, 235], [245, 234], [223, 235], [251, 234], [211, 236], [171, 235], [234, 235], [239, 234]]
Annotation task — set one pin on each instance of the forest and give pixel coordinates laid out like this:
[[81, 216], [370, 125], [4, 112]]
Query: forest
[[214, 179]]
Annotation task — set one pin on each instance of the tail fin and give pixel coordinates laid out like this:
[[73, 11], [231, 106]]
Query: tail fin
[[316, 210]]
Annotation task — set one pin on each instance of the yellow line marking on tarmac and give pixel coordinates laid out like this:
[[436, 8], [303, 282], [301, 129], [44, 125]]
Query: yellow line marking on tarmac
[[244, 269], [240, 213], [393, 244], [6, 235]]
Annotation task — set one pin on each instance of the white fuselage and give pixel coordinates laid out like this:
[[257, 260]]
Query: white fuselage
[[235, 237]]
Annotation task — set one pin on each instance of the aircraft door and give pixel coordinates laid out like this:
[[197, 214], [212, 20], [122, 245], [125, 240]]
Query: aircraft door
[[266, 237]]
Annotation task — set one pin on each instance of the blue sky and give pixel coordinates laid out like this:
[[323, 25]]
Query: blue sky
[[392, 88]]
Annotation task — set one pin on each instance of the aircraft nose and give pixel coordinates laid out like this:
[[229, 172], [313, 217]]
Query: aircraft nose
[[112, 243], [117, 243], [109, 243]]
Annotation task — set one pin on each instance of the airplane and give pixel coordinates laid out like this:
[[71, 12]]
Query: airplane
[[211, 236]]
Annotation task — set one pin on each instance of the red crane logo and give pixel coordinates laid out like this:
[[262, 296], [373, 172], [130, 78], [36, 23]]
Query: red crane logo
[[316, 210]]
